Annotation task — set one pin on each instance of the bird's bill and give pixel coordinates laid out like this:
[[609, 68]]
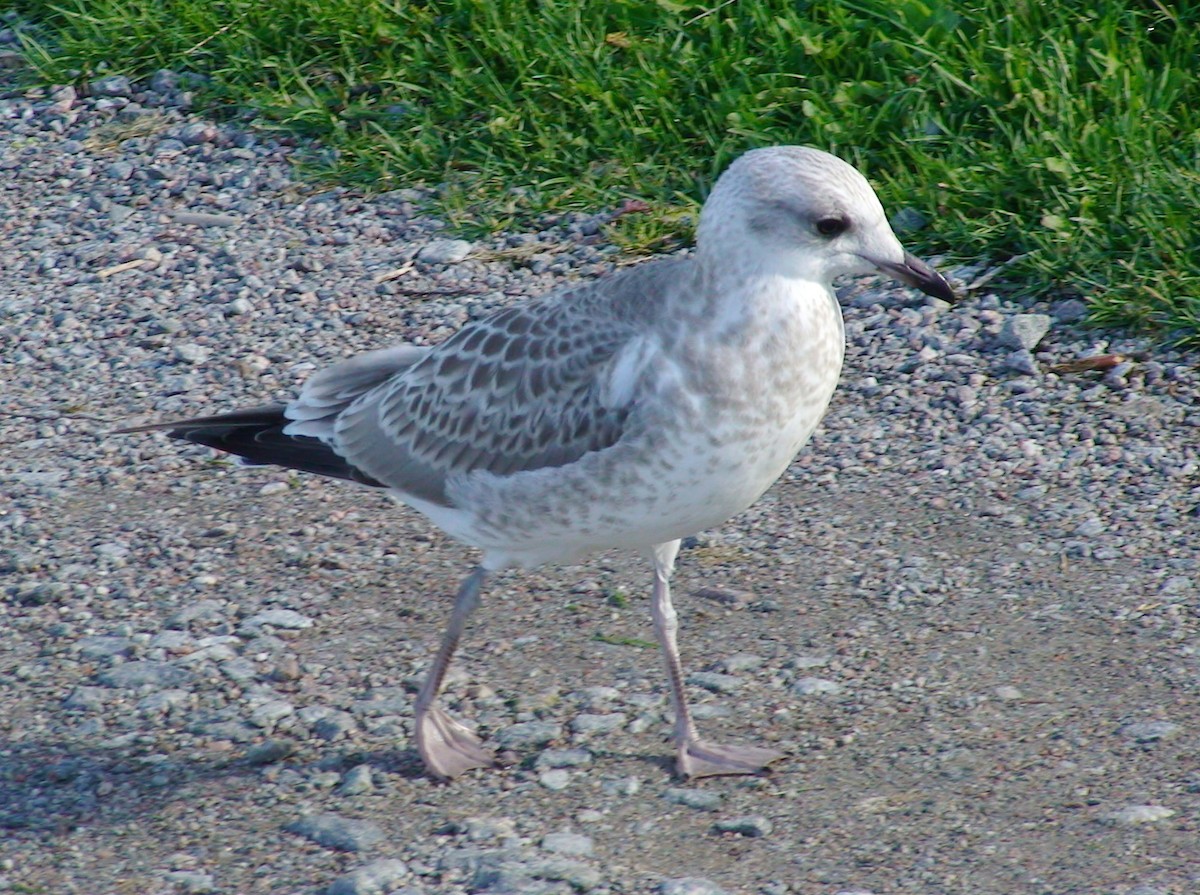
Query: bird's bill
[[912, 271]]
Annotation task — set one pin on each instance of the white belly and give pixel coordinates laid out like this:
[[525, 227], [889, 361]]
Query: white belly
[[720, 424]]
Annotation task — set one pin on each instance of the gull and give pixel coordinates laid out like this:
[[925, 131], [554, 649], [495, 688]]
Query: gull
[[627, 412]]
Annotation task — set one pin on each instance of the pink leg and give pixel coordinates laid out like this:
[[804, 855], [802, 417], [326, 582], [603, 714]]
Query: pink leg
[[447, 748], [696, 758]]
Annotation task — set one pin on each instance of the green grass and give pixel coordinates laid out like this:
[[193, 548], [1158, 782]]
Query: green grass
[[1064, 132]]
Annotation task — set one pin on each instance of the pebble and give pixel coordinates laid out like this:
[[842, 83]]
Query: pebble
[[597, 724], [287, 619], [483, 829], [1024, 331], [714, 681], [529, 734], [1133, 815], [625, 786], [337, 832], [143, 674], [1022, 361], [205, 219], [690, 885], [269, 752], [335, 726], [816, 686], [193, 882], [1151, 731], [381, 877], [356, 781], [573, 844], [741, 662], [555, 779], [445, 251], [700, 799], [564, 758], [752, 826], [114, 85]]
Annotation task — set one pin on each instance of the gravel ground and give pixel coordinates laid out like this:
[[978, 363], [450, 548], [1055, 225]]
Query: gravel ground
[[969, 613]]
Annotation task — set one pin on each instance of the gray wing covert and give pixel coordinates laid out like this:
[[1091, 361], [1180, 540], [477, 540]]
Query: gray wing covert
[[523, 389]]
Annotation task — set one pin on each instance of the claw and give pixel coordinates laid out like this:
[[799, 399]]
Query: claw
[[700, 759], [447, 748]]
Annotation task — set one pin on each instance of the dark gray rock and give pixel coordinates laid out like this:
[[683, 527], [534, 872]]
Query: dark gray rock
[[335, 831]]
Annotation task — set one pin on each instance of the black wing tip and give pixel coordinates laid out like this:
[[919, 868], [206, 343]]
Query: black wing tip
[[257, 438]]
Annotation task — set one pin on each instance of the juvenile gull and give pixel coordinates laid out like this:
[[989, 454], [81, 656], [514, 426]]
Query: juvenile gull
[[628, 412]]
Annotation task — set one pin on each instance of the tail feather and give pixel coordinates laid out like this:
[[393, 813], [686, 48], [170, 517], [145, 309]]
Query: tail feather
[[256, 435]]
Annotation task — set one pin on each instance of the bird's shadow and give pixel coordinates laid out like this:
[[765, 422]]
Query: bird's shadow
[[49, 788]]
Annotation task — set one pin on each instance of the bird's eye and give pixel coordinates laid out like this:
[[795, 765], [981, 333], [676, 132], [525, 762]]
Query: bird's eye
[[832, 226]]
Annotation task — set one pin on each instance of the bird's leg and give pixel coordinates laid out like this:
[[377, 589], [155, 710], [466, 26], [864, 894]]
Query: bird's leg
[[696, 758], [447, 748]]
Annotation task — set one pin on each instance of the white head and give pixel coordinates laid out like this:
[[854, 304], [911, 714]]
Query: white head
[[800, 212]]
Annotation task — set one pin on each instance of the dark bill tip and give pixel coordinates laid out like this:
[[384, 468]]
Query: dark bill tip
[[916, 273]]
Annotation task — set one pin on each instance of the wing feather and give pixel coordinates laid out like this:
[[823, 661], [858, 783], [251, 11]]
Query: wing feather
[[527, 388]]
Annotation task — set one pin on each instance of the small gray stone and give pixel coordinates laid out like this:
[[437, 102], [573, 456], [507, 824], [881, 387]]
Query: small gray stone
[[145, 673], [576, 874], [714, 681], [1022, 361], [205, 219], [752, 826], [196, 133], [164, 81], [564, 758], [484, 829], [86, 699], [356, 781], [103, 646], [1089, 528], [376, 878], [288, 619], [445, 251], [201, 610], [1070, 311], [334, 831], [114, 85], [165, 701], [594, 724], [528, 734], [269, 752], [700, 799], [803, 662], [1150, 731], [239, 669], [193, 882], [1178, 586], [573, 844], [1133, 815], [741, 662], [1024, 330], [335, 725], [816, 686], [268, 714], [623, 786], [555, 779], [690, 885], [191, 353]]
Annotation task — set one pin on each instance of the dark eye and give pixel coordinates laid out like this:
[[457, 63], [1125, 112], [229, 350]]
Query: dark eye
[[832, 226]]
